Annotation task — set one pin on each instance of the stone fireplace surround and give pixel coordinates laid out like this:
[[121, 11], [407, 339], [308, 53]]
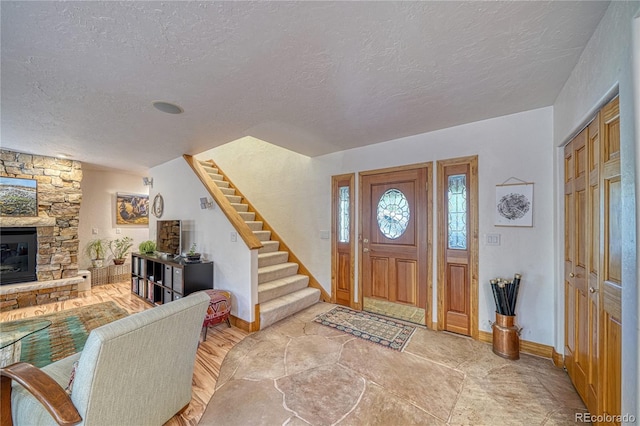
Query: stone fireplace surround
[[59, 197]]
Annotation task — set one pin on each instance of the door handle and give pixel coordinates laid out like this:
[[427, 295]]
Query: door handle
[[571, 275], [366, 241], [592, 290], [366, 250]]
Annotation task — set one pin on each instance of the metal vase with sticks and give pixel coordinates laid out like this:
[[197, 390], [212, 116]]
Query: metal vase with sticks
[[506, 335]]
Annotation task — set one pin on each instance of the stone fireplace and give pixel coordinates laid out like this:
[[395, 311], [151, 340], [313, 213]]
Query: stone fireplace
[[59, 197]]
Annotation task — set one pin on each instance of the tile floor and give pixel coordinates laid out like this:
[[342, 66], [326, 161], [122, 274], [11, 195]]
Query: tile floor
[[394, 310], [298, 372]]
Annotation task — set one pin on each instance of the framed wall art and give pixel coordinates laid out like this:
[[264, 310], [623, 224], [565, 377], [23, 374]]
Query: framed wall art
[[514, 204], [132, 209], [18, 197]]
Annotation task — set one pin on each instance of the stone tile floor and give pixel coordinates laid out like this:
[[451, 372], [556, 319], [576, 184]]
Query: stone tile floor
[[298, 372], [394, 310]]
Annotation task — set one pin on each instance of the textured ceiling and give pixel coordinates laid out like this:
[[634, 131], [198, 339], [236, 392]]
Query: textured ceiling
[[314, 77]]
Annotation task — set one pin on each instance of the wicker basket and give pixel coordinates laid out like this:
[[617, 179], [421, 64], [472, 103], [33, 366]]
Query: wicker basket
[[99, 276], [119, 273], [110, 274]]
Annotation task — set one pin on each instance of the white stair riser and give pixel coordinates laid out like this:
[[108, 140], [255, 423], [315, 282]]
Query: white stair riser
[[240, 207], [273, 289], [269, 247], [247, 215], [263, 235], [286, 270], [233, 198], [268, 259], [277, 309], [228, 191], [221, 183], [215, 176], [254, 225]]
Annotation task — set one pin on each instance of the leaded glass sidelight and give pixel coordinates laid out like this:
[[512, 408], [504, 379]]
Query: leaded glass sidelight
[[393, 213], [457, 209], [343, 214]]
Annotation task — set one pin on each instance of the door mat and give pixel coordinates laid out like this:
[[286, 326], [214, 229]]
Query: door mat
[[367, 326], [68, 332]]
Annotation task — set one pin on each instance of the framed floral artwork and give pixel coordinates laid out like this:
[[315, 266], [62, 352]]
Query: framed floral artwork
[[514, 204]]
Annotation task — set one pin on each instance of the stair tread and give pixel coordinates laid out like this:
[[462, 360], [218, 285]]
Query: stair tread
[[279, 266], [282, 281], [272, 254]]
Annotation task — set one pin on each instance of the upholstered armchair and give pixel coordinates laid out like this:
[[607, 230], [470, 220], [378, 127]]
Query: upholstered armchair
[[134, 371]]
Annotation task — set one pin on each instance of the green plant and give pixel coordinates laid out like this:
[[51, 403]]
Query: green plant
[[120, 246], [192, 250], [96, 249], [147, 246]]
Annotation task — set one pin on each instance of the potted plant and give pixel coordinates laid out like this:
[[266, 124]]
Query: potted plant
[[147, 247], [119, 248], [192, 256], [96, 249]]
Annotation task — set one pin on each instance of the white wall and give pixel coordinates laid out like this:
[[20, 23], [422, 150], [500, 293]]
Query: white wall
[[210, 230], [632, 386], [605, 63], [97, 209], [293, 193]]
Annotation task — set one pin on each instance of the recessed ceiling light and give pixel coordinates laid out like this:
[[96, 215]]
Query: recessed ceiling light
[[167, 107]]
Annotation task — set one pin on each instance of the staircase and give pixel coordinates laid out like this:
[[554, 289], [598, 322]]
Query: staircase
[[282, 291]]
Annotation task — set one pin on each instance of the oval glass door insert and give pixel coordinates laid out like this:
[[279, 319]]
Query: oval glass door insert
[[393, 213]]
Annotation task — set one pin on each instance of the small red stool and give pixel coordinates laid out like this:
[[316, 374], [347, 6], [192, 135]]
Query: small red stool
[[219, 309]]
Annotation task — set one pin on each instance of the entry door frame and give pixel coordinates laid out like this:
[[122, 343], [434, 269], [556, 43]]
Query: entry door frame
[[428, 255], [472, 161]]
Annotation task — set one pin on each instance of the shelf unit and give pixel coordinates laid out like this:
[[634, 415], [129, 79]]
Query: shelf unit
[[160, 280]]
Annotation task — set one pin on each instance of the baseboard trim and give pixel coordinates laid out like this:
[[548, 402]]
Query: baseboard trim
[[531, 348], [558, 359], [247, 326]]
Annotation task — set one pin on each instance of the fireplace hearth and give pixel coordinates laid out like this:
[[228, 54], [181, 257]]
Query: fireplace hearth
[[18, 248]]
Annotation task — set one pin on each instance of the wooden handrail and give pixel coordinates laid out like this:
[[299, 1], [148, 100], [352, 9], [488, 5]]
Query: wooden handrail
[[232, 214], [313, 282]]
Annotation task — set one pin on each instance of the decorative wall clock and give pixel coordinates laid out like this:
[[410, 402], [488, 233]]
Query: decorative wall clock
[[158, 206]]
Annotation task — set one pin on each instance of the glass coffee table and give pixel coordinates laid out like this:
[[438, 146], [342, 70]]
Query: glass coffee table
[[11, 334]]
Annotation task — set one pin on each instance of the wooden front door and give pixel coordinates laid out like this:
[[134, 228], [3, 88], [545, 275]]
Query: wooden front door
[[458, 246], [394, 248]]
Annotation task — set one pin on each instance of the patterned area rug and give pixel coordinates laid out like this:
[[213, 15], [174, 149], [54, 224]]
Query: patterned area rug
[[68, 332], [374, 328]]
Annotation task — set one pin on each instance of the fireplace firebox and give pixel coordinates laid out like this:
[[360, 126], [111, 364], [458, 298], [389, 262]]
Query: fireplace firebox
[[18, 247]]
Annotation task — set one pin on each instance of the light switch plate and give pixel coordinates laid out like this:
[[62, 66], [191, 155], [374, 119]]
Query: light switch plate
[[324, 235], [493, 239]]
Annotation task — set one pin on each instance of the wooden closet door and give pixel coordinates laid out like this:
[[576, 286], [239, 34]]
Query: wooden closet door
[[610, 260], [593, 263], [576, 299]]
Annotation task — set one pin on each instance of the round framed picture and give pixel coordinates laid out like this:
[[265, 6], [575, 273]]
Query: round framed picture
[[158, 206]]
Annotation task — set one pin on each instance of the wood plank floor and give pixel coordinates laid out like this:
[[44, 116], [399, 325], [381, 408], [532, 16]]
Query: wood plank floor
[[209, 356]]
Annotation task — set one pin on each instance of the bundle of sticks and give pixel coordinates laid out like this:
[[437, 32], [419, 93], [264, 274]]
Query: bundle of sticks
[[505, 294]]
